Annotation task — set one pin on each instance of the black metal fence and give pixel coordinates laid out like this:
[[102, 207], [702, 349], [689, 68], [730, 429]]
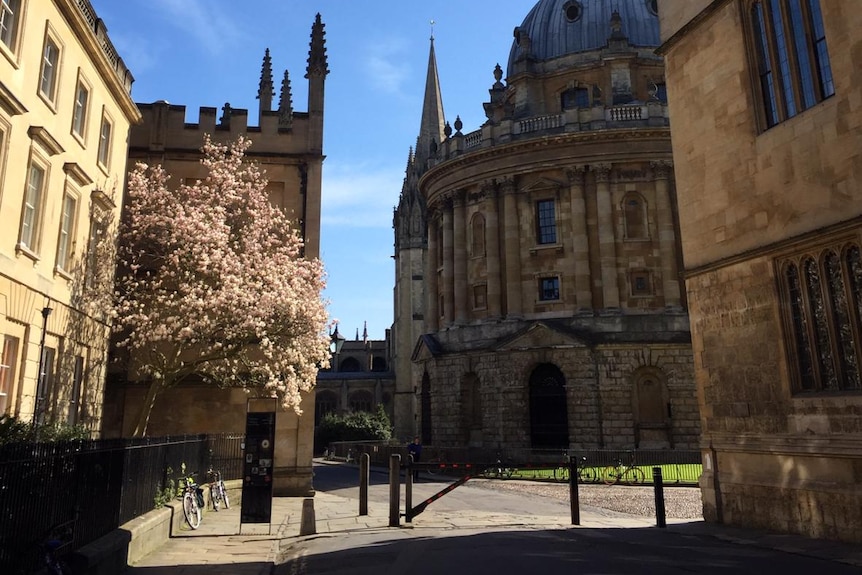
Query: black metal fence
[[684, 465], [78, 491]]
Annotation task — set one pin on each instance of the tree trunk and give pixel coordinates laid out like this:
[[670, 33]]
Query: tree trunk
[[147, 408]]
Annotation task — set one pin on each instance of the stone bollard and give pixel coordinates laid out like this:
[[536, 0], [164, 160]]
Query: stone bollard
[[308, 524]]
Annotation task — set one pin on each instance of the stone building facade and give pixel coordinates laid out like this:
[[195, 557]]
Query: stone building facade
[[553, 314], [767, 134], [65, 113], [288, 145]]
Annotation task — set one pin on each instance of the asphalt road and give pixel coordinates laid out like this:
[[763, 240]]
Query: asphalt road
[[500, 550]]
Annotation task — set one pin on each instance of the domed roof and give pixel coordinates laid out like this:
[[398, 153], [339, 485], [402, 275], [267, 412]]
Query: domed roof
[[559, 27]]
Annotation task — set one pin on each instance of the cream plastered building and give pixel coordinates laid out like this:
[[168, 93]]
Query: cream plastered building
[[288, 145], [65, 113], [766, 115], [538, 300]]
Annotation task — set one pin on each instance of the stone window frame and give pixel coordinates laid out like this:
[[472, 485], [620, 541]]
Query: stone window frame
[[628, 216], [361, 400], [790, 67], [477, 235], [30, 246], [480, 291], [106, 141], [79, 127], [11, 21], [547, 233], [540, 288], [634, 276], [67, 232], [48, 86], [820, 301], [8, 365]]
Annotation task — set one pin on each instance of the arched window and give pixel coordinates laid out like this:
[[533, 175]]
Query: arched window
[[651, 409], [325, 401], [549, 416], [360, 400], [349, 364], [378, 364], [477, 236], [634, 213]]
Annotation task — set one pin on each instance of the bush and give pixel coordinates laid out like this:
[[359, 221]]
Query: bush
[[357, 426], [16, 431]]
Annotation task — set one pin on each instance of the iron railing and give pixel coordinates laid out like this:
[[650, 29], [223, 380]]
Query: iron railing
[[92, 487]]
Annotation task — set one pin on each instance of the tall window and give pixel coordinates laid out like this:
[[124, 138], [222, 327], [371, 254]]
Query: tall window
[[79, 116], [823, 315], [10, 16], [575, 98], [7, 371], [32, 215], [546, 222], [634, 210], [105, 142], [792, 57], [50, 69], [549, 289], [360, 401], [477, 233], [67, 231], [45, 384], [77, 384]]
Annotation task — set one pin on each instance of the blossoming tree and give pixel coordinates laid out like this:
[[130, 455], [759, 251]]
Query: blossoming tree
[[212, 283]]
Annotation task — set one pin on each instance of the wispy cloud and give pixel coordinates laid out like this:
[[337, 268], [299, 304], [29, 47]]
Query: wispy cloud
[[360, 196], [386, 65], [213, 29]]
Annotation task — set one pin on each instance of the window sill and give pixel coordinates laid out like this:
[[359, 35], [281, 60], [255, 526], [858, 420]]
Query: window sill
[[556, 248], [23, 250], [58, 271]]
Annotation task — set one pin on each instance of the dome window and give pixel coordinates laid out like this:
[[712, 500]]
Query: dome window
[[572, 11], [652, 6]]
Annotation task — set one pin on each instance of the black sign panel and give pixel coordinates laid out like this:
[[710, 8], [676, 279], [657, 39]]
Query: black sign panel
[[257, 467]]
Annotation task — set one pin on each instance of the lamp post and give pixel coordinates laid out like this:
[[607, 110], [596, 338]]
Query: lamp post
[[335, 344], [39, 403]]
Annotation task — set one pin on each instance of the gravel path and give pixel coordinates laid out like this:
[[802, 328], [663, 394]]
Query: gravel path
[[680, 502]]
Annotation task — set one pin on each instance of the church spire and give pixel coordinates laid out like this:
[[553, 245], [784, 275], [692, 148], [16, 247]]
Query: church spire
[[266, 91], [285, 103], [431, 127]]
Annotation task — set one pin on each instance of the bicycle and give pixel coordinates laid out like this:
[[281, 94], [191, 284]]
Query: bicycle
[[218, 492], [585, 474], [193, 500], [627, 474]]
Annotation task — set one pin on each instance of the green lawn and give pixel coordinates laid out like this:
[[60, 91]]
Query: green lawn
[[682, 474]]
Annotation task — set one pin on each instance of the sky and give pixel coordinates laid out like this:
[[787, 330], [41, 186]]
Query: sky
[[207, 52]]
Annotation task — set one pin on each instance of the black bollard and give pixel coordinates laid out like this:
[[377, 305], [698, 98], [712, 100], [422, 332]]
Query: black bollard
[[395, 490], [408, 489], [364, 467], [574, 501], [659, 497]]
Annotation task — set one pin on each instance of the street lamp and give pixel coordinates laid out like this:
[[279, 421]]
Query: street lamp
[[336, 342], [39, 403]]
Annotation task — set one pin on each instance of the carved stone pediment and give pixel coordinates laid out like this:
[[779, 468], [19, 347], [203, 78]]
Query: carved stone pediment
[[542, 335]]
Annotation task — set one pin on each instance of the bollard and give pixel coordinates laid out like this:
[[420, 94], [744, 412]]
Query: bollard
[[394, 490], [308, 524], [574, 498], [659, 497], [364, 467], [408, 489]]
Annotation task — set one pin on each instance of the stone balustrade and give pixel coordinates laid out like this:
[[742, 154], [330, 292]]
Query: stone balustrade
[[97, 26]]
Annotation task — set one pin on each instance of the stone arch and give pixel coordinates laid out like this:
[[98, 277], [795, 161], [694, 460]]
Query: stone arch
[[651, 409], [350, 364], [549, 415]]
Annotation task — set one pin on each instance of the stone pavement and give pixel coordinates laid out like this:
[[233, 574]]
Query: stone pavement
[[218, 547]]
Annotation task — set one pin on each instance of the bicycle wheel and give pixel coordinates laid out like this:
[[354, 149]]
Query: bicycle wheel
[[586, 475], [224, 496], [561, 474], [508, 472], [609, 475], [433, 469], [633, 476], [191, 510], [215, 496]]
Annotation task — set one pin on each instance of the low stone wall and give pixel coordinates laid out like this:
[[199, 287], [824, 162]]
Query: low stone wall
[[139, 537]]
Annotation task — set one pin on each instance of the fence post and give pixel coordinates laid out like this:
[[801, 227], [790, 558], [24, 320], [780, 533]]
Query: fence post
[[659, 497], [364, 466], [574, 498], [394, 490]]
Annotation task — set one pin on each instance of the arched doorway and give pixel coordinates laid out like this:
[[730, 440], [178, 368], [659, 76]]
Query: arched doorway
[[549, 416]]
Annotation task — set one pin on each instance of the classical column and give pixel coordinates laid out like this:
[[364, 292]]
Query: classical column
[[460, 257], [432, 293], [666, 235], [492, 250], [512, 248], [580, 238], [607, 242], [448, 279]]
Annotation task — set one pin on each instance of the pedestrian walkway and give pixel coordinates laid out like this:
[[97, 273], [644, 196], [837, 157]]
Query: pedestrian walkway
[[219, 547]]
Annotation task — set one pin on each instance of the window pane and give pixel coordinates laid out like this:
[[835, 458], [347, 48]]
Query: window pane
[[549, 289], [32, 201], [824, 68], [70, 206], [50, 58], [817, 311], [802, 59], [800, 330], [9, 15], [547, 222], [7, 371], [783, 59], [847, 361], [764, 64], [80, 117], [104, 142]]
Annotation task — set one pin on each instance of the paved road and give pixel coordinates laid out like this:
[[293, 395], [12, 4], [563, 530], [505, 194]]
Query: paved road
[[634, 549]]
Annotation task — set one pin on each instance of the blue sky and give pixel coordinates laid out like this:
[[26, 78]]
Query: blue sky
[[208, 52]]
